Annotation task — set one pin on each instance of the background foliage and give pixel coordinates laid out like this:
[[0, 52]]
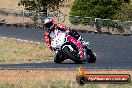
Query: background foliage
[[40, 5], [106, 9]]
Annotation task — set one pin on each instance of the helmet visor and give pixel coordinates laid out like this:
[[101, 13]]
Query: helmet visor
[[48, 25]]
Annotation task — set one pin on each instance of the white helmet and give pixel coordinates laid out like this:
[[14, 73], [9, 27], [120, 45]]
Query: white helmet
[[47, 20]]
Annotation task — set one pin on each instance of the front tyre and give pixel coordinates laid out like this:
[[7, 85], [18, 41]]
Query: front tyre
[[67, 51], [59, 57]]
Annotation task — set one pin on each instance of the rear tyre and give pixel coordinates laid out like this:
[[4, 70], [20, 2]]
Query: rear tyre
[[59, 57], [67, 51], [92, 56]]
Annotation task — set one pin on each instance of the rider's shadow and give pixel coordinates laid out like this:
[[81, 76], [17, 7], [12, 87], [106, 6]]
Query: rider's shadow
[[71, 62]]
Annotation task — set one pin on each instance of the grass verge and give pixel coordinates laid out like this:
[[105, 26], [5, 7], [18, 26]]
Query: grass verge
[[52, 79], [14, 50]]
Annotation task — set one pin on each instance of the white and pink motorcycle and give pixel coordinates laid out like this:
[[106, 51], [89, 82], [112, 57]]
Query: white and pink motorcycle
[[68, 47]]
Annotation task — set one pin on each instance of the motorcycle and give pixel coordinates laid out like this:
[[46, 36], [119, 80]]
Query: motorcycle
[[68, 47]]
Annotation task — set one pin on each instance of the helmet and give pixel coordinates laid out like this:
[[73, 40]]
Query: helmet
[[48, 22], [61, 27]]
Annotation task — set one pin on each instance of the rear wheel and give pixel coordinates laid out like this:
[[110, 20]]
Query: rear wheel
[[59, 57], [67, 51], [92, 56]]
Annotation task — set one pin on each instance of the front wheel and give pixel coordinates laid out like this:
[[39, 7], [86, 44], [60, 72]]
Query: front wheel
[[59, 57], [67, 51]]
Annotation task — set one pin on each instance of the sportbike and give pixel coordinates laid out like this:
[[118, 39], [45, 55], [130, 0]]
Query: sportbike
[[66, 47]]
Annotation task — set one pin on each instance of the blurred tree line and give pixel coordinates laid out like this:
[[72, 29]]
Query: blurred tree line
[[40, 5], [106, 9]]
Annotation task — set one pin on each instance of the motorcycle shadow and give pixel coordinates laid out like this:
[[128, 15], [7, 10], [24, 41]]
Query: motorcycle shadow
[[70, 62]]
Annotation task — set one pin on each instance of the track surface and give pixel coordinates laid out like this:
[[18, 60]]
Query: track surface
[[113, 51]]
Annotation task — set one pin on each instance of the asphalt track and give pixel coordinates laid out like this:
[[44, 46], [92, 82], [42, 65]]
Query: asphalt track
[[113, 51]]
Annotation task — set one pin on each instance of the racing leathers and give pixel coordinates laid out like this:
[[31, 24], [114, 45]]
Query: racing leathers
[[47, 34]]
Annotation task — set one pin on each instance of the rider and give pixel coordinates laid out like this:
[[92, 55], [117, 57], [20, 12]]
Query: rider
[[50, 26]]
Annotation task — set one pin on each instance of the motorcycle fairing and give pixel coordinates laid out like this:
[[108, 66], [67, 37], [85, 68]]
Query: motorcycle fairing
[[58, 40], [78, 44]]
